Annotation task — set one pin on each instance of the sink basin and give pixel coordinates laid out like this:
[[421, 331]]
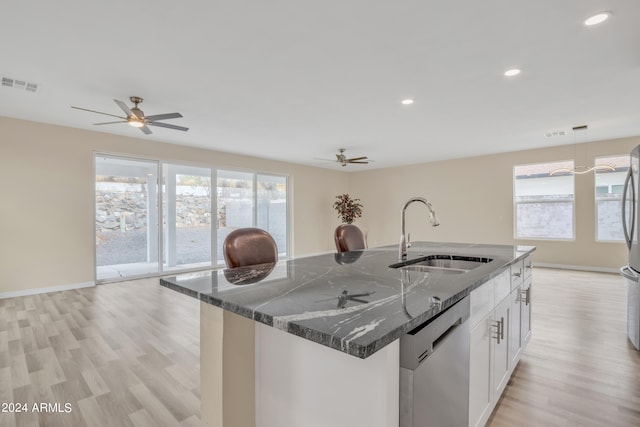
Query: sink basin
[[447, 264], [428, 269]]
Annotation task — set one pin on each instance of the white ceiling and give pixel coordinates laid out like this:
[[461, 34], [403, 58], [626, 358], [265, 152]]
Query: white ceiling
[[298, 79]]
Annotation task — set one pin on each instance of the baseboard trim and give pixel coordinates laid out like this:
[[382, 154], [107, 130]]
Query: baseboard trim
[[577, 267], [35, 291]]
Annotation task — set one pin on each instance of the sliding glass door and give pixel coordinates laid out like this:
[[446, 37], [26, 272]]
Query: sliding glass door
[[271, 215], [187, 217], [235, 204], [126, 217], [153, 217]]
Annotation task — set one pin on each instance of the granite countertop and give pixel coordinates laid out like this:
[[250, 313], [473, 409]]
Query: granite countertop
[[353, 302]]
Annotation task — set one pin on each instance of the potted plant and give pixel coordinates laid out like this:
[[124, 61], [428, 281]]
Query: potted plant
[[348, 209]]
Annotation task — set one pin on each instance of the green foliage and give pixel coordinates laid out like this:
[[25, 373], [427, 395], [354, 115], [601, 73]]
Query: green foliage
[[348, 209]]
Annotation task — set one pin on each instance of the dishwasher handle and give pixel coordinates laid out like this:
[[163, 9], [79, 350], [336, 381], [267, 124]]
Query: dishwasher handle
[[417, 345], [439, 340]]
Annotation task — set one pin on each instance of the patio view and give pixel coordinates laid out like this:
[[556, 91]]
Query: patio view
[[129, 204]]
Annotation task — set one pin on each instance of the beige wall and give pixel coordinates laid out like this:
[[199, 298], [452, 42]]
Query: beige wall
[[46, 210], [473, 198], [46, 205]]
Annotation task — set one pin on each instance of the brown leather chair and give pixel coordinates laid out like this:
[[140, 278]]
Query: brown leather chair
[[249, 246], [348, 238]]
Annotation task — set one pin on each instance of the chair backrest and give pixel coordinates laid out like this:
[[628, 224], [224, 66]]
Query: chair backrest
[[249, 246], [349, 237]]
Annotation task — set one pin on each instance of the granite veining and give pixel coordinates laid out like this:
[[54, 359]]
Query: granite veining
[[353, 302]]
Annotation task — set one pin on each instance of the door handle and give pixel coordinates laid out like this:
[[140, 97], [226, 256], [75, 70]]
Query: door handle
[[628, 236], [629, 274]]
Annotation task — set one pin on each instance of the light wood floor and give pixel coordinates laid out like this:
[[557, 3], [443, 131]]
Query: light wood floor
[[579, 368], [122, 354], [127, 354]]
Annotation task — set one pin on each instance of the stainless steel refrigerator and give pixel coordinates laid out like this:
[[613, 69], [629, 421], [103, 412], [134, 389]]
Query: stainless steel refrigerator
[[631, 227]]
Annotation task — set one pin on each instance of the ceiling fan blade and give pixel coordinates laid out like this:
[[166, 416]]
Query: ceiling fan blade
[[359, 163], [125, 108], [99, 112], [110, 123], [145, 130], [167, 125], [358, 158], [324, 160], [163, 116]]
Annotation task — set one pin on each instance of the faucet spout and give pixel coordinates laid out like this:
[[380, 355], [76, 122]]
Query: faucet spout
[[404, 241]]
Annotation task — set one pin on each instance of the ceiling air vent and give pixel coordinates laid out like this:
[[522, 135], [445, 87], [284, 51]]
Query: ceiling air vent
[[19, 84], [555, 133]]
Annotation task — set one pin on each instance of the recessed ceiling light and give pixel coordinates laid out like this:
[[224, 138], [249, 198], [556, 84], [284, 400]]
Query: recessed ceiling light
[[407, 101], [597, 19], [512, 72]]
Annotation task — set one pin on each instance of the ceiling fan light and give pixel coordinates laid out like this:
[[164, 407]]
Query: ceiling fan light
[[136, 123]]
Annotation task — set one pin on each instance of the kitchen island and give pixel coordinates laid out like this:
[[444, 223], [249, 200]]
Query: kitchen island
[[315, 340]]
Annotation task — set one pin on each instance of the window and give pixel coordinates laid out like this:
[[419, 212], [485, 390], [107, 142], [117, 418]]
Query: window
[[544, 203], [608, 195]]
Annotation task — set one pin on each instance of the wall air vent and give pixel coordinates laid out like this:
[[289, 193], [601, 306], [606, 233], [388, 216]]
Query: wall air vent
[[19, 84], [555, 133]]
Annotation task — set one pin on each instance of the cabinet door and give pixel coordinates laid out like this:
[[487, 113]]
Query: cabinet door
[[501, 347], [480, 396], [528, 266], [517, 274], [525, 310], [515, 343]]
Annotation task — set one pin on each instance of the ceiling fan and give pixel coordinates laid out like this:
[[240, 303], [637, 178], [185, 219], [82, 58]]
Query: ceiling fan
[[136, 118], [342, 160]]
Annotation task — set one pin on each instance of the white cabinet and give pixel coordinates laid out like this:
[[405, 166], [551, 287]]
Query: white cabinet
[[489, 364], [525, 300], [515, 326], [525, 312], [500, 328], [517, 274], [480, 396], [520, 320], [501, 362], [489, 336]]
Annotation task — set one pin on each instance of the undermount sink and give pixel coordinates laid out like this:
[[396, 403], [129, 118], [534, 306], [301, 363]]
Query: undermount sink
[[446, 264]]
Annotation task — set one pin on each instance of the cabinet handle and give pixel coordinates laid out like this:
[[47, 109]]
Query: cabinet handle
[[525, 296], [518, 274], [497, 336], [499, 325], [528, 296]]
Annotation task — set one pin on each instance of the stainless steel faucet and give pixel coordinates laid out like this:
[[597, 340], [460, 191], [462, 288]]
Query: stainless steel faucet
[[404, 239]]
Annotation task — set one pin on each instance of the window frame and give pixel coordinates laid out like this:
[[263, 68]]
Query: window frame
[[516, 203], [596, 199]]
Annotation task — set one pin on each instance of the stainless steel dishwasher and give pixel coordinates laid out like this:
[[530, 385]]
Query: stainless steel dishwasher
[[434, 371]]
